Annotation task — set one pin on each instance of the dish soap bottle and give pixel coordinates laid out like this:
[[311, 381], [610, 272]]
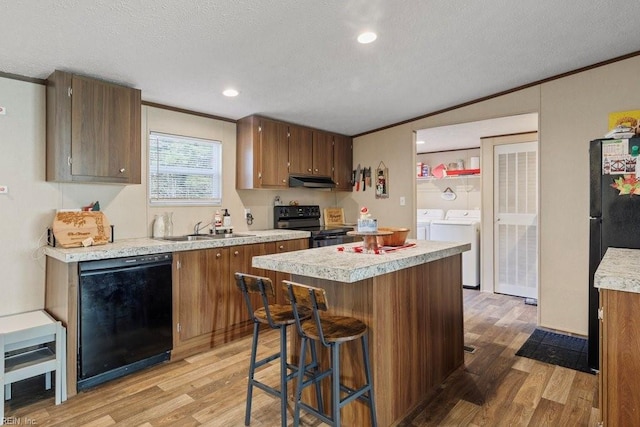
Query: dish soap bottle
[[226, 218], [217, 221]]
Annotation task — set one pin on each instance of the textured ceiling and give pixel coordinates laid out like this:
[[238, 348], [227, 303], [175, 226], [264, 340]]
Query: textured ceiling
[[297, 60]]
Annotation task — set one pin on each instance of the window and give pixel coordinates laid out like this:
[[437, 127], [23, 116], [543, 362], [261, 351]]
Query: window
[[184, 170]]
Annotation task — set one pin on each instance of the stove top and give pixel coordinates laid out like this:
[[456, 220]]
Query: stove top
[[306, 218]]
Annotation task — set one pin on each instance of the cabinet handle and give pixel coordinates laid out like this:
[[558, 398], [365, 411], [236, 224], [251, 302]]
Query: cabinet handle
[[218, 255], [308, 170], [236, 253], [284, 181], [281, 247], [316, 169], [121, 170]]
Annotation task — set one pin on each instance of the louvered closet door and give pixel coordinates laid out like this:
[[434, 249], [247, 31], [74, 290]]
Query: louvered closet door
[[516, 219]]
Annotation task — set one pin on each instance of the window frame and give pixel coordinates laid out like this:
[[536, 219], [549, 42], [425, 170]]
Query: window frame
[[218, 164]]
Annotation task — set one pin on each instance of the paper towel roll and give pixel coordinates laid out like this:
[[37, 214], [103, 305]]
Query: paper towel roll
[[474, 163]]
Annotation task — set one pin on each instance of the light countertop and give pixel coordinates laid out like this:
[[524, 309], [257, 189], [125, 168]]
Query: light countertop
[[348, 267], [619, 270], [146, 246]]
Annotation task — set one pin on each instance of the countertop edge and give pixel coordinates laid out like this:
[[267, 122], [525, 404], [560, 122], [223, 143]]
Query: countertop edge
[[148, 246], [331, 264], [619, 270]]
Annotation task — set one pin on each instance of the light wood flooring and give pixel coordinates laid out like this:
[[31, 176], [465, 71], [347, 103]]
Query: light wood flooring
[[495, 388]]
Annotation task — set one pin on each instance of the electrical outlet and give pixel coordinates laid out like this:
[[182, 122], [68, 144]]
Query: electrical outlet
[[403, 201]]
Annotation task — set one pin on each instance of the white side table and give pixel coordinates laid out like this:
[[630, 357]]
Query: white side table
[[24, 335]]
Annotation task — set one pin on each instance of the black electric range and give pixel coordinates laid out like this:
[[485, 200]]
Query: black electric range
[[307, 218]]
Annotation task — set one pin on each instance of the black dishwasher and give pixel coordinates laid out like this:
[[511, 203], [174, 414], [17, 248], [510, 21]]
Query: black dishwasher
[[124, 316]]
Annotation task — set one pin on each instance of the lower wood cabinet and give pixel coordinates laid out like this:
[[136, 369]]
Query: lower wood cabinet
[[208, 309], [620, 358]]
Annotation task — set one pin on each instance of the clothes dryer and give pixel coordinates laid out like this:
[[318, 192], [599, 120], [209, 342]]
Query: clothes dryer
[[461, 225], [424, 218]]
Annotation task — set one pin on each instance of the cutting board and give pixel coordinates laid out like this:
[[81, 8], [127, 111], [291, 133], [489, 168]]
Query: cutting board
[[72, 228], [333, 216]]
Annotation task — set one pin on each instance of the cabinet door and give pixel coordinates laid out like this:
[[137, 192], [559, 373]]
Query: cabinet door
[[300, 150], [620, 358], [105, 130], [281, 247], [342, 162], [190, 276], [322, 153], [240, 261], [274, 152]]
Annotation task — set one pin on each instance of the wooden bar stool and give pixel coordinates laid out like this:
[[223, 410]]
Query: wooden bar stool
[[331, 331], [277, 317]]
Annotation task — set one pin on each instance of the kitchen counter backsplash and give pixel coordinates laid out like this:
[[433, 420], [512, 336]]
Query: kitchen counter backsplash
[[147, 246]]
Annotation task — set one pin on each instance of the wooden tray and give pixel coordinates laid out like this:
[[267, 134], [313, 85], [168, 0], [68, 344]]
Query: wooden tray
[[72, 228]]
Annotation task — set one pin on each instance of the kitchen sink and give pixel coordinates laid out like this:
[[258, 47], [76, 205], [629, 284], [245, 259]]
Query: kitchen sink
[[188, 238], [197, 237]]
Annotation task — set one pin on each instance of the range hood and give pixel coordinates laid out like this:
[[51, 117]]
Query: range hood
[[311, 181]]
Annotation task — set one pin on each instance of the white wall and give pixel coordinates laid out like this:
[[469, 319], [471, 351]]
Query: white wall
[[573, 110], [26, 212]]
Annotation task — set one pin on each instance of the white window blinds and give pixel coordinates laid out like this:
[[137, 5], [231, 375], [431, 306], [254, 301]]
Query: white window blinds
[[184, 170]]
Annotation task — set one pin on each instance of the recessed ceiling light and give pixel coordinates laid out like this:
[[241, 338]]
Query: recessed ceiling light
[[367, 37], [230, 92]]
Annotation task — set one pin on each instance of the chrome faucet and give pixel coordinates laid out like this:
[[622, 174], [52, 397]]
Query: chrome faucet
[[196, 228]]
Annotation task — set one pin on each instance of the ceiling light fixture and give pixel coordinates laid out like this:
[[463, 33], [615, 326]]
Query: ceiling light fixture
[[230, 93], [367, 37], [419, 142]]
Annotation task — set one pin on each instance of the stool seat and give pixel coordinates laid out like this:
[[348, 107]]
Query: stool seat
[[335, 328], [280, 314]]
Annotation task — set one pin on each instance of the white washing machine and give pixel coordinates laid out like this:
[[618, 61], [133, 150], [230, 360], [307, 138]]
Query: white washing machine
[[424, 218], [461, 225]]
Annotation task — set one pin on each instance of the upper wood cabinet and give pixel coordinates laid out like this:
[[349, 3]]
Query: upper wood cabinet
[[262, 153], [268, 151], [300, 150], [322, 153], [93, 130], [343, 162]]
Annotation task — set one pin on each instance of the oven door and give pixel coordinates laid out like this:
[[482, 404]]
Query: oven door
[[330, 240]]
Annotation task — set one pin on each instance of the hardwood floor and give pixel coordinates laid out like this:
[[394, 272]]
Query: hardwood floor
[[494, 388]]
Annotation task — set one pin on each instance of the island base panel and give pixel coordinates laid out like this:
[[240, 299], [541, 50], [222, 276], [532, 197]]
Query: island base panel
[[416, 336]]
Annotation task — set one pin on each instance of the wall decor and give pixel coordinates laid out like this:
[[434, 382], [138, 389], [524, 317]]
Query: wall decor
[[382, 181]]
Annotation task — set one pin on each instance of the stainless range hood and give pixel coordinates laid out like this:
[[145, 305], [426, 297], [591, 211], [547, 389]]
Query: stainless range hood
[[311, 181]]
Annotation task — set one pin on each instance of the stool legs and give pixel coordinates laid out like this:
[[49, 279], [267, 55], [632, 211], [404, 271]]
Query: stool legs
[[285, 376], [367, 371], [364, 393]]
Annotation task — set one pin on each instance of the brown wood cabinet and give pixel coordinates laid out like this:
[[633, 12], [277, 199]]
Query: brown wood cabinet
[[300, 150], [268, 151], [322, 153], [93, 130], [208, 309], [619, 358], [262, 153], [343, 162]]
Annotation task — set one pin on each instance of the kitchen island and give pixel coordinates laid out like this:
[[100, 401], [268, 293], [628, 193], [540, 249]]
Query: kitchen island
[[411, 299]]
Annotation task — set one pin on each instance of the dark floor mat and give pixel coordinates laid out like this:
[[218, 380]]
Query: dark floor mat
[[557, 349]]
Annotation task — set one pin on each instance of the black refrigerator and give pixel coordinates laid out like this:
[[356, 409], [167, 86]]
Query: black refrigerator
[[614, 214]]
